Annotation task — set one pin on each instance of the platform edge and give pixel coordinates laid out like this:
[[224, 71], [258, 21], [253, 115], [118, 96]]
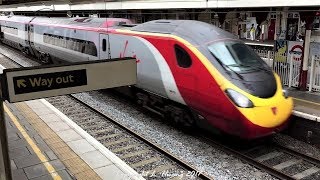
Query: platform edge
[[112, 157], [306, 115]]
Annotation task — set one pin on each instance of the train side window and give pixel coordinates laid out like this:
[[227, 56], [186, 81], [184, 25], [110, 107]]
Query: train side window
[[183, 57], [83, 46], [104, 44], [69, 44], [93, 49]]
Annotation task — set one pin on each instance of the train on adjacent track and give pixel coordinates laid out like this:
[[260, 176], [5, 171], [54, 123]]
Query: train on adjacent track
[[191, 72]]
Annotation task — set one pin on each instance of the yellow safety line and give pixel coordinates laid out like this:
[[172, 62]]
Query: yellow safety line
[[318, 104], [33, 145]]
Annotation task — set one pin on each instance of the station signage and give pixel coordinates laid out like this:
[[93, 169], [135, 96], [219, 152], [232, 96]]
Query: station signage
[[22, 84], [49, 81]]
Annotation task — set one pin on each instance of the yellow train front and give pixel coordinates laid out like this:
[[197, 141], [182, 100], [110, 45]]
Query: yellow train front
[[259, 116], [236, 91]]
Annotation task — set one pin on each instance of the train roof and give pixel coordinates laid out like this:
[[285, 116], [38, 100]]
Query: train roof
[[196, 31], [21, 19], [83, 21], [76, 21]]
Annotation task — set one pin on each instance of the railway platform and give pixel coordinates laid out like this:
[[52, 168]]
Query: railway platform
[[266, 43], [46, 144], [305, 124], [306, 104]]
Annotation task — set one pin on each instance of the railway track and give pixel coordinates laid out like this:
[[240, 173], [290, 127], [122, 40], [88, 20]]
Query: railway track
[[154, 162], [141, 154], [277, 160]]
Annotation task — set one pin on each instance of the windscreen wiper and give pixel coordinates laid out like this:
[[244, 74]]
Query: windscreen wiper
[[255, 68], [226, 66], [264, 69]]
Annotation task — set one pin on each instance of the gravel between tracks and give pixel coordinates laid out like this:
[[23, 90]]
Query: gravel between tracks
[[12, 54], [298, 145], [215, 162]]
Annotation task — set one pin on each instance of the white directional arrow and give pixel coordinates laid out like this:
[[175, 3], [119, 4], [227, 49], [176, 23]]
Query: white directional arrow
[[21, 82]]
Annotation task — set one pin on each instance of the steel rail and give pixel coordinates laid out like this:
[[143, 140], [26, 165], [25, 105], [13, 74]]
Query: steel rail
[[13, 61], [305, 157], [248, 159], [182, 163], [238, 154]]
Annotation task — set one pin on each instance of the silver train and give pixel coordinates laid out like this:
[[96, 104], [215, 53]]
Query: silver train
[[191, 72]]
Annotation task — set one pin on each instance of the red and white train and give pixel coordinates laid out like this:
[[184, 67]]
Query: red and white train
[[189, 71]]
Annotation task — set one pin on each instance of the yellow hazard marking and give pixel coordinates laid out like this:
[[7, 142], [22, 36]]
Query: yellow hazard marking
[[33, 145], [311, 102]]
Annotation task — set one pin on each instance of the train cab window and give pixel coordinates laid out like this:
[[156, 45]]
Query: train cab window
[[235, 55], [104, 44], [183, 57]]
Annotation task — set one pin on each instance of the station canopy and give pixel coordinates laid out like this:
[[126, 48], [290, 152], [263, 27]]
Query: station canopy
[[11, 2]]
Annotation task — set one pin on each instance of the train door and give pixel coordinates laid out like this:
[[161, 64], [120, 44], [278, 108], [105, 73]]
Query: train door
[[292, 25], [292, 28], [104, 47], [1, 31], [30, 39]]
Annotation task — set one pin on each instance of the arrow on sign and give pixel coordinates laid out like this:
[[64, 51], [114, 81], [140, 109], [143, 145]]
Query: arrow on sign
[[21, 82]]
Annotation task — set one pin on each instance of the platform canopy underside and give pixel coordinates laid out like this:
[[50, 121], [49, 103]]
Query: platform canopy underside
[[32, 5]]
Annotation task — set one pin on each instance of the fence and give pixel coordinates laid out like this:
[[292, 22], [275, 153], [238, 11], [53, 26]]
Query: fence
[[289, 70], [314, 74]]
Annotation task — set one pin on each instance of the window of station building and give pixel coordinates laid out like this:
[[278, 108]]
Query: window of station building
[[79, 45], [10, 30], [183, 57]]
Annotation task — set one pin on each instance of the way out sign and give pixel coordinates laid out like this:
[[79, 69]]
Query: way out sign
[[22, 84], [49, 81]]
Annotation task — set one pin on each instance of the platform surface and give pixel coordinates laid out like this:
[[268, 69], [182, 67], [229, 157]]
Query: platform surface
[[44, 145], [269, 43], [306, 102]]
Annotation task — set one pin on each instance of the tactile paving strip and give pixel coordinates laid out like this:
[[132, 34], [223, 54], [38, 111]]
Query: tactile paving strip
[[76, 166]]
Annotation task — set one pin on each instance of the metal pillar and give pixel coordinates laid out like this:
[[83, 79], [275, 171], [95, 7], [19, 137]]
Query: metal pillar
[[311, 81], [5, 165], [305, 61], [291, 70]]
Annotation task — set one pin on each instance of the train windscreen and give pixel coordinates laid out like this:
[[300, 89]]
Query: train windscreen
[[236, 56]]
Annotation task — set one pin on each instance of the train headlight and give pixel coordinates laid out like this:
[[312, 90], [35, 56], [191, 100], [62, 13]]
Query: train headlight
[[239, 99]]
